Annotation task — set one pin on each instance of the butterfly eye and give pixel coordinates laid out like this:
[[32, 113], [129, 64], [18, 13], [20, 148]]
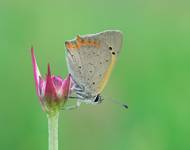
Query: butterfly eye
[[97, 98]]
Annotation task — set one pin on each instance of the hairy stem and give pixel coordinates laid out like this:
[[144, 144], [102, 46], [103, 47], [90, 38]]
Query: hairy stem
[[53, 131]]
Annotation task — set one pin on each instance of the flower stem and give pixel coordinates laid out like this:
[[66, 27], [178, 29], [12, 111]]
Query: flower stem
[[53, 131]]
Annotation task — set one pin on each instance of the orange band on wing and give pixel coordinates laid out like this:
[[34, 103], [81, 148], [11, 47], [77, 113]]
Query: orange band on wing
[[69, 45], [82, 42]]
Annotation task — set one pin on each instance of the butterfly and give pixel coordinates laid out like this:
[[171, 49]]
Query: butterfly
[[90, 60]]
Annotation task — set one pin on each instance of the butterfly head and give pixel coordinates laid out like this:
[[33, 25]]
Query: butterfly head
[[97, 99]]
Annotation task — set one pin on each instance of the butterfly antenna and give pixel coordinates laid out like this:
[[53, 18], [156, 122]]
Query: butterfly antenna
[[119, 103]]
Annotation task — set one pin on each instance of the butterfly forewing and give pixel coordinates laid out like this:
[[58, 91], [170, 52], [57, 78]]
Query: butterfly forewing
[[91, 57]]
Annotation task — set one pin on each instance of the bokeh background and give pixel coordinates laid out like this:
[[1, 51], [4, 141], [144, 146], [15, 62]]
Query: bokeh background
[[152, 74]]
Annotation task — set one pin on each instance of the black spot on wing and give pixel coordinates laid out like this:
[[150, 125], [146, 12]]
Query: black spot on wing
[[113, 53]]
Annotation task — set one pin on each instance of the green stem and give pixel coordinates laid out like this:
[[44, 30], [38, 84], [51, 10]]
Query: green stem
[[53, 131]]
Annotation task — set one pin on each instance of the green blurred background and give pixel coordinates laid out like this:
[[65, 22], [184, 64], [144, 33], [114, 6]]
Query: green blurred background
[[152, 74]]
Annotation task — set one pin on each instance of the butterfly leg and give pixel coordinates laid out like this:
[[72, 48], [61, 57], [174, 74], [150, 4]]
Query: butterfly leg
[[72, 107]]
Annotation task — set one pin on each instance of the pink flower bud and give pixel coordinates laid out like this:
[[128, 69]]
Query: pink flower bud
[[52, 91]]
